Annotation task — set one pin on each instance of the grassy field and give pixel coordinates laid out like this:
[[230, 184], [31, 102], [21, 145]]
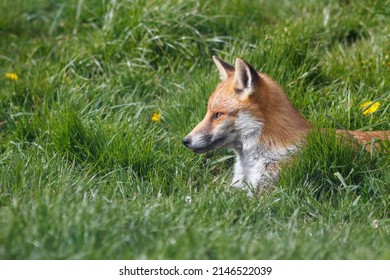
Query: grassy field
[[85, 173]]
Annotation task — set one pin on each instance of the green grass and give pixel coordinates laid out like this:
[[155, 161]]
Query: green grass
[[86, 174]]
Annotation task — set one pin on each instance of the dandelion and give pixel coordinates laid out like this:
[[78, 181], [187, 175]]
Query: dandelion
[[156, 117], [369, 107], [12, 76]]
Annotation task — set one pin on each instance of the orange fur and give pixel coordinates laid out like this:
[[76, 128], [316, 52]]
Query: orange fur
[[369, 139], [283, 124]]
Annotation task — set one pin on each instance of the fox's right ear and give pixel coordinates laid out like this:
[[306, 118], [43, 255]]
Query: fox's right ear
[[245, 77], [224, 68]]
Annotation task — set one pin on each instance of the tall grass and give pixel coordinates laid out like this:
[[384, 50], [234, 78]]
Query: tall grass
[[86, 174]]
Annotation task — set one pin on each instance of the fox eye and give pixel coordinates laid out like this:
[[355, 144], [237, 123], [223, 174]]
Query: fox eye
[[217, 115]]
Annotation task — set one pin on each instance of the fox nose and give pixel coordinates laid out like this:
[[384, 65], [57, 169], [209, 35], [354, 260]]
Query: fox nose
[[186, 141]]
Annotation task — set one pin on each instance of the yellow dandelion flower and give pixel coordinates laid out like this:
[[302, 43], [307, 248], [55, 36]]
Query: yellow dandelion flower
[[12, 76], [156, 117], [370, 107]]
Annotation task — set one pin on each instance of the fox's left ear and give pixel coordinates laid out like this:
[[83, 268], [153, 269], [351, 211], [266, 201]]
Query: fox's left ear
[[224, 68], [245, 78]]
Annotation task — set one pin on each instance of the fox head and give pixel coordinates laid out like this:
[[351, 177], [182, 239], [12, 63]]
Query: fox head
[[233, 115]]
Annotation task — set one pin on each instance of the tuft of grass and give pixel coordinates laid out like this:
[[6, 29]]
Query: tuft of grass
[[85, 173], [329, 168]]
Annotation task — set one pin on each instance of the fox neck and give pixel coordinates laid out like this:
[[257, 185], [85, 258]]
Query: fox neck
[[283, 125]]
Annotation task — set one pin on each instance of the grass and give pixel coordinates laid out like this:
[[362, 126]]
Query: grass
[[86, 174]]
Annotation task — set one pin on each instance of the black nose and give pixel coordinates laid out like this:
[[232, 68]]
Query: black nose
[[186, 141]]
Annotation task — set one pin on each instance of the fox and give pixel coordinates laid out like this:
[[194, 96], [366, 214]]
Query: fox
[[250, 113]]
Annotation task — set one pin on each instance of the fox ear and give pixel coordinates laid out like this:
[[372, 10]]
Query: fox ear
[[245, 77], [223, 67]]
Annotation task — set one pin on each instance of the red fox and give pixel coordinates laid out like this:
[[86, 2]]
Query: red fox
[[249, 113]]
